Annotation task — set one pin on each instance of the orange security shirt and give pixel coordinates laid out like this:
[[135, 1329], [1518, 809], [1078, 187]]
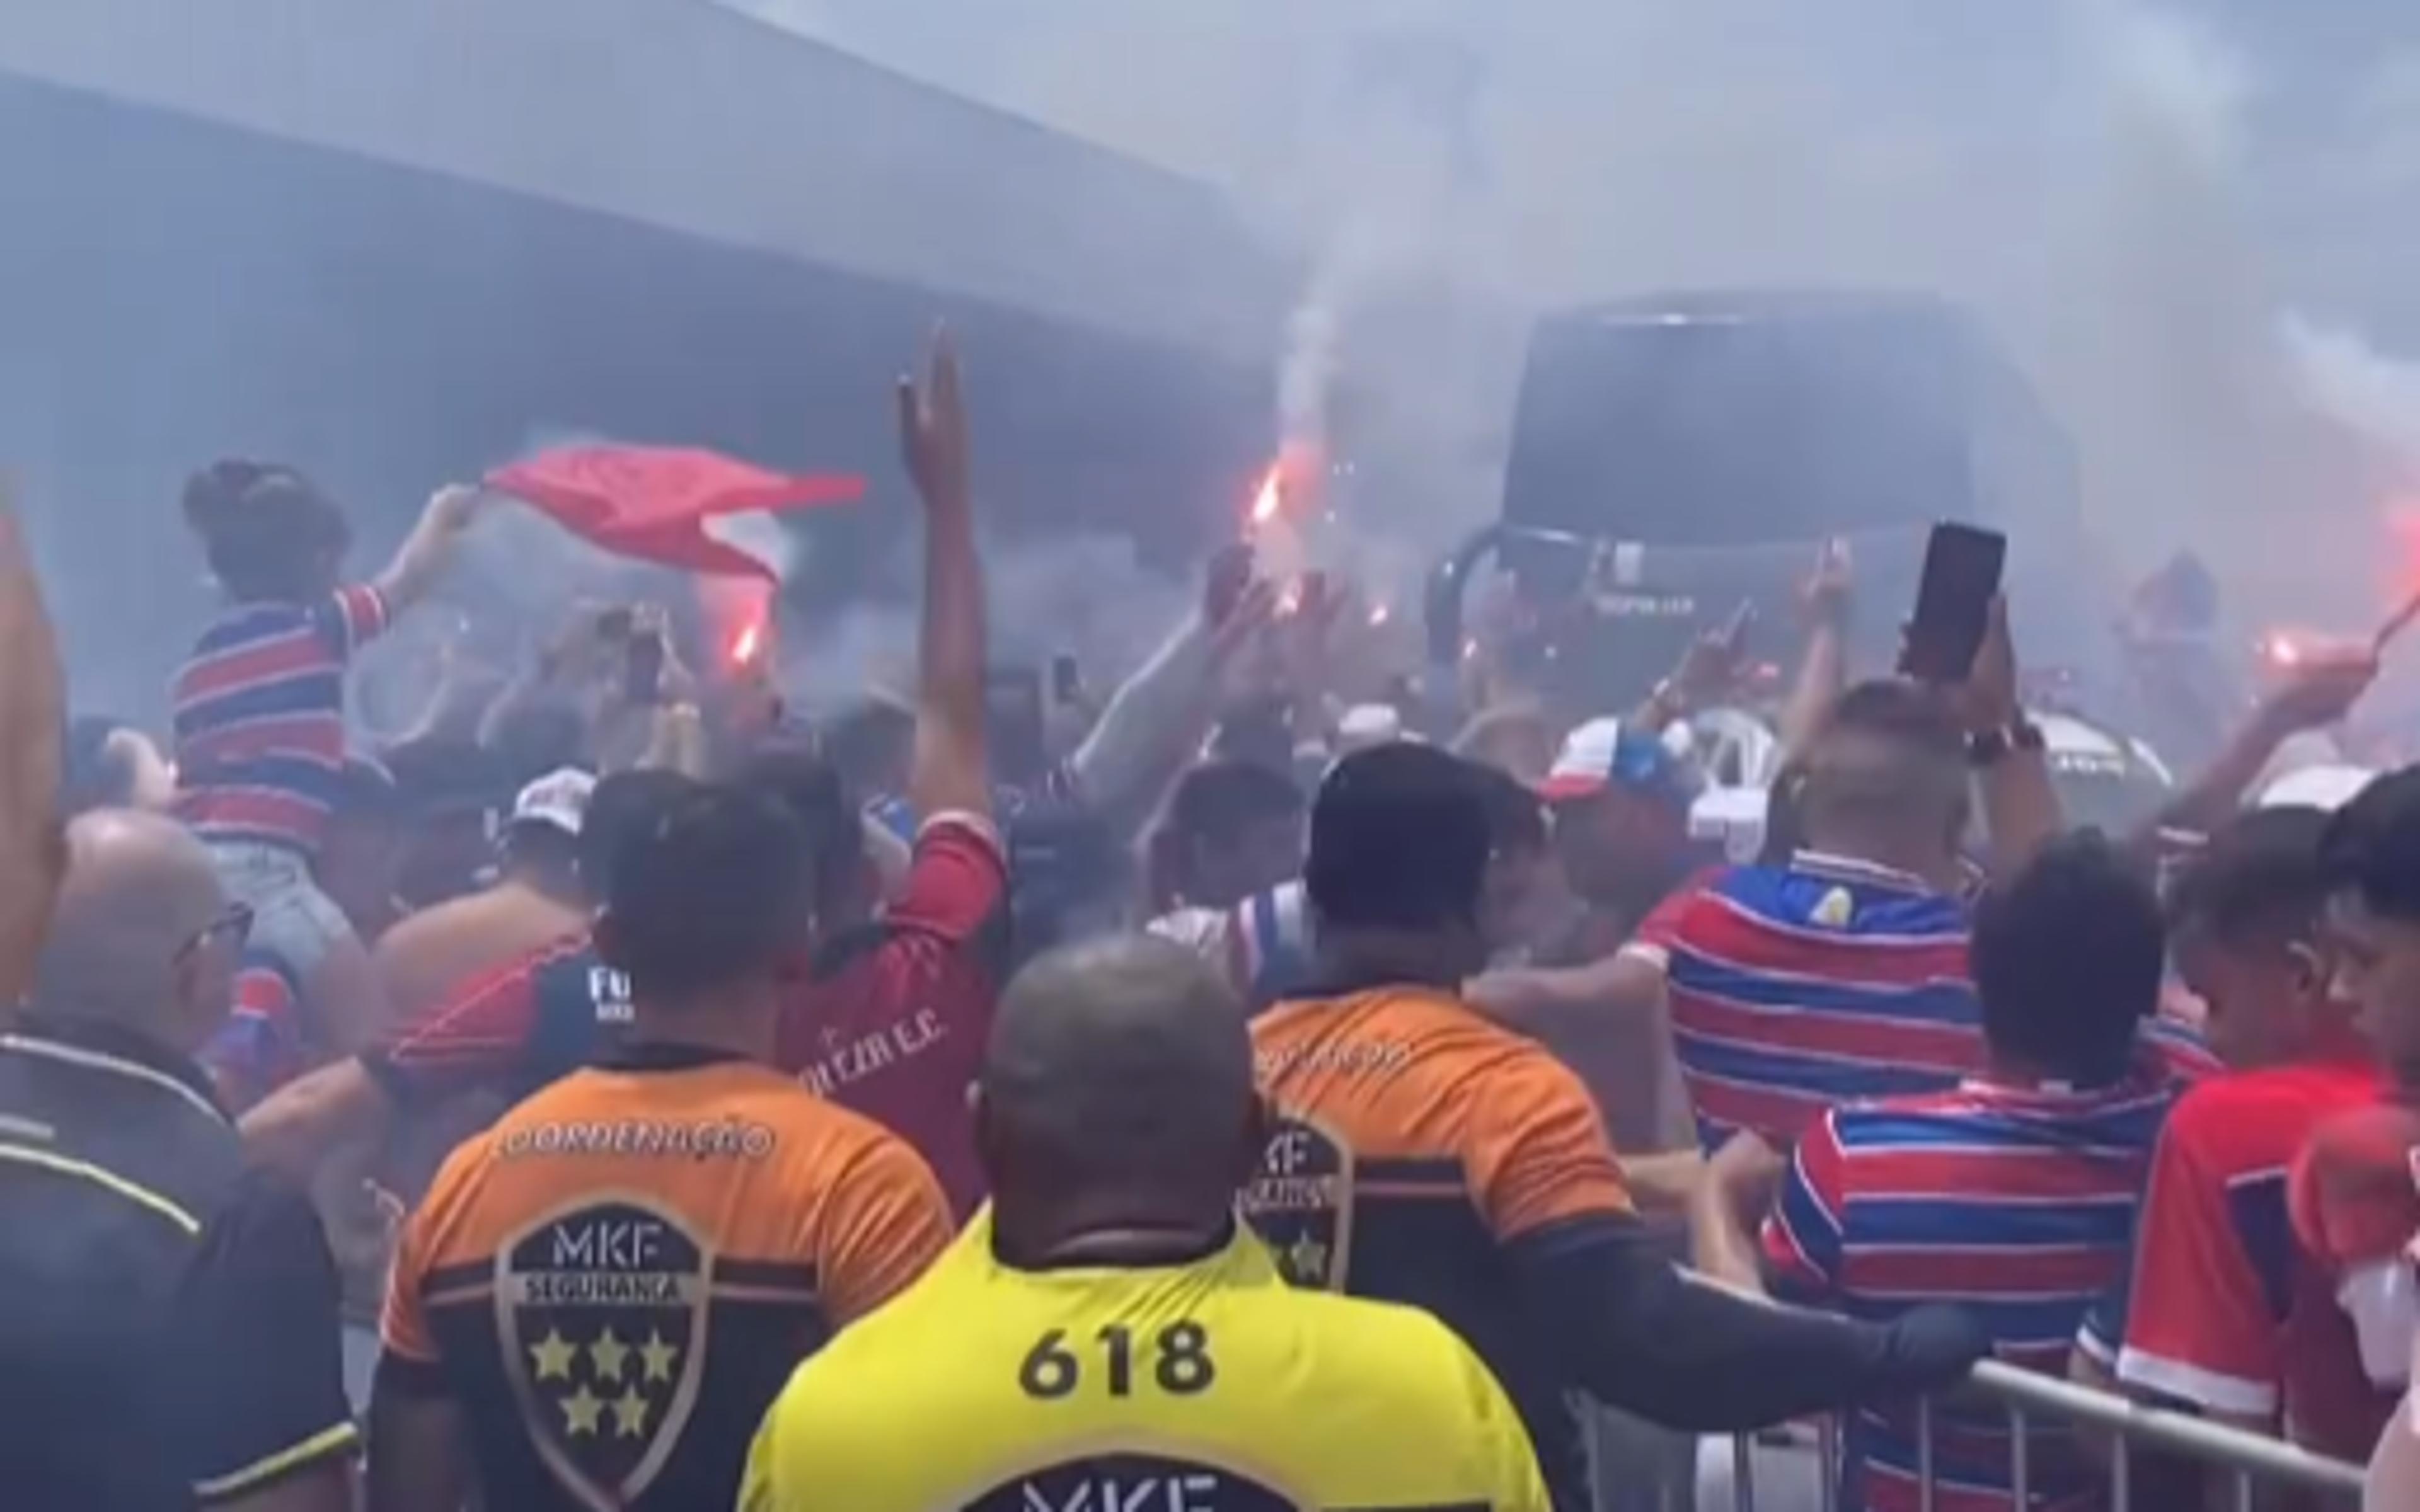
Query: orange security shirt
[[1415, 1141], [616, 1278]]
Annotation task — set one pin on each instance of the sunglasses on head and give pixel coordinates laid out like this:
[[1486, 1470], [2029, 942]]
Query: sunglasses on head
[[234, 926]]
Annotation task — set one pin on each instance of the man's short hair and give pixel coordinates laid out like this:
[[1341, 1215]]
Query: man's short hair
[[794, 775], [2259, 879], [716, 890], [623, 807], [1905, 713], [1884, 745], [1217, 802], [2067, 955], [2372, 846], [1399, 839]]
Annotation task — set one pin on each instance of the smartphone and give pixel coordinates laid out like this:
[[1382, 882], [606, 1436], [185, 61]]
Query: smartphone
[[1067, 679], [1953, 601], [1013, 723]]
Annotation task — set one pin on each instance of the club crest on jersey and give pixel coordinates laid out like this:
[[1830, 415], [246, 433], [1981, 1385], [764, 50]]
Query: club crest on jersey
[[1133, 1483], [1301, 1202], [602, 1311]]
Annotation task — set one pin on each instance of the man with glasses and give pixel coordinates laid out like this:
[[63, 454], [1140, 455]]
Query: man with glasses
[[167, 1318]]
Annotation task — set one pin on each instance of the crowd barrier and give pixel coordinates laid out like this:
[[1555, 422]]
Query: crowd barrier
[[2251, 1459]]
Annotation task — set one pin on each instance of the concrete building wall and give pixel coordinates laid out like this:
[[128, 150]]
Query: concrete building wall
[[687, 116]]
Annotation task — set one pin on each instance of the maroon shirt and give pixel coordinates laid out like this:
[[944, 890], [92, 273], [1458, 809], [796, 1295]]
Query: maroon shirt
[[894, 1023]]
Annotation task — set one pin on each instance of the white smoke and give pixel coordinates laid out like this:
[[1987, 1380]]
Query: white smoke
[[2115, 187]]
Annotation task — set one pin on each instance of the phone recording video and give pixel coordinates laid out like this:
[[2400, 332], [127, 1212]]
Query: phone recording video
[[1962, 565]]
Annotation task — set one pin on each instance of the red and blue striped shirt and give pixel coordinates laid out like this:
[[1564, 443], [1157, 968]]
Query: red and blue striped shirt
[[262, 1045], [260, 717], [2017, 1203], [1795, 989]]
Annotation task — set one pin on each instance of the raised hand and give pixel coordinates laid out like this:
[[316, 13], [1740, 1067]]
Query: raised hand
[[1987, 699], [2320, 690], [933, 428], [1824, 598]]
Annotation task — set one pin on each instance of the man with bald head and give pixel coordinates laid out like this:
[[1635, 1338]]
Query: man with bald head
[[1106, 1334], [167, 1317]]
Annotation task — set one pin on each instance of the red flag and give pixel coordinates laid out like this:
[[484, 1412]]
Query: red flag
[[652, 503]]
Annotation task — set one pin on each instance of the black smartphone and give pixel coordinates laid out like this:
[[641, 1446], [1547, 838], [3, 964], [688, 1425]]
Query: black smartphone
[[1953, 601], [1067, 679], [1013, 723]]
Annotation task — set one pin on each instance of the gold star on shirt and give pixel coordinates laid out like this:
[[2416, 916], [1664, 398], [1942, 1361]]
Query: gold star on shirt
[[610, 1354], [1308, 1258], [658, 1357], [552, 1356], [629, 1413], [579, 1411]]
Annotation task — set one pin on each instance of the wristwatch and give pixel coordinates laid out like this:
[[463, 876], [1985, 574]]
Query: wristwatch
[[1985, 748]]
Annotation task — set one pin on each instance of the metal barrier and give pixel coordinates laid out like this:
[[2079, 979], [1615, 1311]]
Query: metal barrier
[[2251, 1460]]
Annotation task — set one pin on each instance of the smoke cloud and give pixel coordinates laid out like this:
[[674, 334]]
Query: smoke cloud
[[2137, 199]]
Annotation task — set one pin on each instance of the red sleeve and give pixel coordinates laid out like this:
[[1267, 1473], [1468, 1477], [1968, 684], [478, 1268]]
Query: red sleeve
[[957, 883], [472, 1037], [1803, 1237], [2354, 1200], [353, 617], [2200, 1327], [1661, 926]]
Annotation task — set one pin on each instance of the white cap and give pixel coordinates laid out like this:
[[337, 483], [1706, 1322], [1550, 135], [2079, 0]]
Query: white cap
[[1365, 725], [1734, 818], [559, 798], [2330, 786]]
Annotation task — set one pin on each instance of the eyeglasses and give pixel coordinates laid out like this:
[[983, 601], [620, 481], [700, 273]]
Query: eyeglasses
[[233, 926]]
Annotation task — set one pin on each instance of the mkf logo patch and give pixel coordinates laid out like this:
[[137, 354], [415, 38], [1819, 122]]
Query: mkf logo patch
[[1133, 1483], [1301, 1202], [601, 1310]]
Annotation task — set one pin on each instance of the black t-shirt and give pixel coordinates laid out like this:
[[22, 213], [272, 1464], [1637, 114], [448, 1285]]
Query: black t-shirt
[[168, 1316]]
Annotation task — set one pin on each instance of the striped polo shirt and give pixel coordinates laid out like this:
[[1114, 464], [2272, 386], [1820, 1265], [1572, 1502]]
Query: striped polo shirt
[[260, 717], [2016, 1202], [1794, 988]]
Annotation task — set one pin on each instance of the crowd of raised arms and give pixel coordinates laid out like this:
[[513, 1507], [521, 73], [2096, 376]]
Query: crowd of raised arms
[[625, 1093]]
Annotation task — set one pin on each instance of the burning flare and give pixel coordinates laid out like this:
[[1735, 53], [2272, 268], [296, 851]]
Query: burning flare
[[1271, 497], [748, 643]]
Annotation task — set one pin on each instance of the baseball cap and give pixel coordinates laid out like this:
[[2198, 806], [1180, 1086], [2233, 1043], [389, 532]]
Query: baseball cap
[[1602, 753], [560, 798]]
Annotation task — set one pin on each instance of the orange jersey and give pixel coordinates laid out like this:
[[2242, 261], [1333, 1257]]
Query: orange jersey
[[616, 1280], [1415, 1140]]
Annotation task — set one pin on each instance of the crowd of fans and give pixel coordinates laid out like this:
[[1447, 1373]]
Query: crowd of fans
[[624, 1093]]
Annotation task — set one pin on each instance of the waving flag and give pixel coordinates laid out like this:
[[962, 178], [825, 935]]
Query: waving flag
[[656, 503]]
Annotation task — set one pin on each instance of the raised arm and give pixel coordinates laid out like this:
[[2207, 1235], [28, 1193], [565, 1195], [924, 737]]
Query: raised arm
[[427, 551], [1823, 670], [1156, 720], [2316, 694], [33, 732], [2021, 805], [950, 770]]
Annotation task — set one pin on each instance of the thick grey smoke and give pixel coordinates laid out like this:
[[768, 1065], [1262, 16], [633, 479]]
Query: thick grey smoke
[[2137, 198]]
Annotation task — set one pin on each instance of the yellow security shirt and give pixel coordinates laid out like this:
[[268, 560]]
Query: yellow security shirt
[[1208, 1387]]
